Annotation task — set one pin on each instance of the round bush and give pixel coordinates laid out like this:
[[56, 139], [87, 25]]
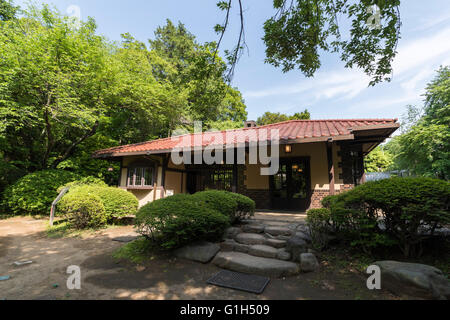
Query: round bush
[[86, 181], [118, 203], [319, 223], [245, 206], [83, 209], [406, 206], [179, 220], [220, 201], [235, 206], [34, 193]]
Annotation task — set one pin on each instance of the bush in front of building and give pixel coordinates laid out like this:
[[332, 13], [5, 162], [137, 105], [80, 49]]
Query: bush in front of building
[[116, 202], [245, 206], [405, 211], [179, 220], [83, 209], [85, 181], [233, 205], [34, 193]]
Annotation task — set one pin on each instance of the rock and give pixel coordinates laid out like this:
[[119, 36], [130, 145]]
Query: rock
[[228, 245], [264, 251], [245, 263], [296, 246], [239, 247], [284, 238], [276, 243], [303, 235], [250, 238], [278, 231], [308, 262], [253, 228], [303, 228], [283, 255], [201, 252], [414, 279], [231, 232]]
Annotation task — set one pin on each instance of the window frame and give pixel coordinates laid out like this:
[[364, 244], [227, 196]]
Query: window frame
[[146, 169]]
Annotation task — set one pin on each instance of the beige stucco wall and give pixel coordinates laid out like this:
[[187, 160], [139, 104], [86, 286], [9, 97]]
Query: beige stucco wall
[[317, 152]]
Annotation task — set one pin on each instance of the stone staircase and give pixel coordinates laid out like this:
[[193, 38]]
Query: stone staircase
[[259, 247]]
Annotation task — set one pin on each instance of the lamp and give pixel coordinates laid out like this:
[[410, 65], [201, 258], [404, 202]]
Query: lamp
[[288, 148]]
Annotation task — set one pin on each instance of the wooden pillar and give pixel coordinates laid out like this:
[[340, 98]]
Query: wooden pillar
[[234, 188], [330, 167]]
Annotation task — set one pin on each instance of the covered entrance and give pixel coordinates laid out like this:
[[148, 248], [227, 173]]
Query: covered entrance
[[290, 188]]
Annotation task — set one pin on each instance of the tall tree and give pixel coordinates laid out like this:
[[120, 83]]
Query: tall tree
[[301, 29], [271, 117], [424, 148], [7, 10], [201, 73]]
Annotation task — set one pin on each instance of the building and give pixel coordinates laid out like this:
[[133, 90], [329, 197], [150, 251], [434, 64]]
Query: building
[[316, 158]]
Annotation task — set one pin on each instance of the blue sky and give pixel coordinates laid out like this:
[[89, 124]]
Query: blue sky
[[334, 92]]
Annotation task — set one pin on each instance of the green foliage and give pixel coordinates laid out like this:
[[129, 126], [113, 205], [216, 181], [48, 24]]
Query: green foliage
[[233, 205], [245, 206], [405, 206], [319, 223], [424, 148], [7, 10], [137, 251], [34, 193], [86, 181], [179, 220], [83, 209], [378, 161], [301, 29], [270, 117], [116, 202]]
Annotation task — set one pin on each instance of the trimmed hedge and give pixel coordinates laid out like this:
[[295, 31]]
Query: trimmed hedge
[[233, 205], [116, 202], [86, 181], [33, 194], [83, 209], [179, 220], [405, 206]]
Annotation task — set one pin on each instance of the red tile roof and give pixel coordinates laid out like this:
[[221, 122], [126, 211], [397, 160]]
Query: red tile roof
[[296, 131]]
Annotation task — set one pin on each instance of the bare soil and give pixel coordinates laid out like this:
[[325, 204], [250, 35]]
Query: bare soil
[[161, 277]]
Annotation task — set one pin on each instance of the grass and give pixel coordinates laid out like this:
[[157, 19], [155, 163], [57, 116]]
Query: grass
[[63, 229], [137, 251]]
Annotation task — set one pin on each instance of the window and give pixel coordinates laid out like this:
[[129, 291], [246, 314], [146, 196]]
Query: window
[[219, 179], [140, 177]]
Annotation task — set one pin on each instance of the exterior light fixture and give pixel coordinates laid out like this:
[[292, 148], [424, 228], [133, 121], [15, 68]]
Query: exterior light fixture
[[288, 148], [110, 169]]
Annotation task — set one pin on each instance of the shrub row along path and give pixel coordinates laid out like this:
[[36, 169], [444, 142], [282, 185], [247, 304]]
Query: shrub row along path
[[161, 277]]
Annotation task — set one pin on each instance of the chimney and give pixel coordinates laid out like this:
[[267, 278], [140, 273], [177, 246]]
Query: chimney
[[250, 124]]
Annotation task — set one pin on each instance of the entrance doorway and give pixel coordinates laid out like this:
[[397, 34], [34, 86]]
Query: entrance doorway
[[291, 186]]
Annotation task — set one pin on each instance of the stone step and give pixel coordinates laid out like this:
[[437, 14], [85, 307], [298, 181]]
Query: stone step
[[250, 238], [261, 250], [245, 263], [276, 243], [278, 231]]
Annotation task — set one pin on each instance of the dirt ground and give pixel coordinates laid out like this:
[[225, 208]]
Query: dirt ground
[[162, 277]]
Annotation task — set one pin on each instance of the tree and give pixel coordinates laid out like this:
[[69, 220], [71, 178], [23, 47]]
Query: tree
[[7, 10], [270, 117], [53, 84], [200, 72], [378, 161], [301, 29], [424, 148]]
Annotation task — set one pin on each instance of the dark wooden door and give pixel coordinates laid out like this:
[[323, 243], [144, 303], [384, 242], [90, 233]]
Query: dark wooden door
[[291, 186]]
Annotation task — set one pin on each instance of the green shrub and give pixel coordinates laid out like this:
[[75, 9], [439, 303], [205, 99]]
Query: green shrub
[[405, 206], [221, 201], [179, 220], [83, 209], [86, 181], [116, 202], [34, 193], [233, 205], [319, 223], [245, 206]]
